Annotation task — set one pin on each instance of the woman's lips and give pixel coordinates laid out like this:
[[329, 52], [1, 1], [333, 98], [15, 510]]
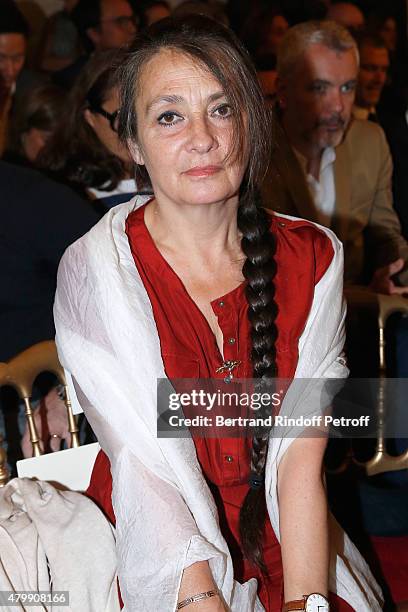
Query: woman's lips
[[202, 170]]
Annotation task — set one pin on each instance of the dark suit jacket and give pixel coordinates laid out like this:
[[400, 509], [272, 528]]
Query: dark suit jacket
[[364, 219], [396, 129], [39, 219]]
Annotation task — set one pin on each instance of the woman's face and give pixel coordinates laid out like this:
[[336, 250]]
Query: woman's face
[[185, 132], [103, 128]]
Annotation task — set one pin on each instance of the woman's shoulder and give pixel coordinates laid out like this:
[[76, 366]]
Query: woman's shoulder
[[304, 243]]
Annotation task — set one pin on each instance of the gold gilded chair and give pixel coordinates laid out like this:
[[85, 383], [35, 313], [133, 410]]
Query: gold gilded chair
[[385, 306], [382, 461], [20, 373]]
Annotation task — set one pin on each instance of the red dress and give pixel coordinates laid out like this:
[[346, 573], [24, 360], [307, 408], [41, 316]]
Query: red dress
[[189, 350]]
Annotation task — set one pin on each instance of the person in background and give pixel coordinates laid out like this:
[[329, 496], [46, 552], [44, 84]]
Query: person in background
[[387, 29], [267, 75], [39, 220], [102, 25], [348, 15], [210, 8], [298, 11], [152, 10], [85, 151], [337, 171], [35, 122], [60, 44], [264, 31], [372, 76], [17, 80], [369, 104], [105, 24]]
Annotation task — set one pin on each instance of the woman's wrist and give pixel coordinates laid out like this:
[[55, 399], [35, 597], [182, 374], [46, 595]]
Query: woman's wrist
[[198, 597], [202, 602], [314, 602], [197, 578]]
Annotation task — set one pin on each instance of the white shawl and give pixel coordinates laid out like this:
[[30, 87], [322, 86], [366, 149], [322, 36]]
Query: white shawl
[[166, 516], [59, 541]]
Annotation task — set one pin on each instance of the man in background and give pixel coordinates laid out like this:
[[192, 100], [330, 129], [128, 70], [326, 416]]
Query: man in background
[[348, 15], [15, 80], [372, 76], [329, 168], [101, 24]]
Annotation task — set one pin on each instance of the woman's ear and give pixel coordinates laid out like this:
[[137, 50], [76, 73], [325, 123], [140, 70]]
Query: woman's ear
[[135, 152]]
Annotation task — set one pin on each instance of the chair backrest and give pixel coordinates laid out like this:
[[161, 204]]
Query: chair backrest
[[69, 468]]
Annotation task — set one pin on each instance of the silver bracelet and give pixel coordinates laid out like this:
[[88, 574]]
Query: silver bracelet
[[198, 597]]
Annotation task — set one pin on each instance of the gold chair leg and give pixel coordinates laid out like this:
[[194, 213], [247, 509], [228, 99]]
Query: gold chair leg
[[35, 440], [72, 421]]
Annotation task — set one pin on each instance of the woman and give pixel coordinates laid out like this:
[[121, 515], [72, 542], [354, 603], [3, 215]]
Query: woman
[[198, 282], [36, 120], [85, 151]]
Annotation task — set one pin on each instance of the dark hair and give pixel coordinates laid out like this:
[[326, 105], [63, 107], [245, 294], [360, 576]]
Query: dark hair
[[266, 62], [210, 8], [85, 15], [144, 6], [255, 30], [75, 154], [298, 11], [369, 39], [11, 19], [41, 110], [216, 48]]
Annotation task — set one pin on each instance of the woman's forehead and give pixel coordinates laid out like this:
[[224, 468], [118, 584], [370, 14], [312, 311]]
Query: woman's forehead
[[171, 70]]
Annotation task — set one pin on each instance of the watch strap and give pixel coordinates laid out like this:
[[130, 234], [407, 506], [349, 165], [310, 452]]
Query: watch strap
[[295, 604]]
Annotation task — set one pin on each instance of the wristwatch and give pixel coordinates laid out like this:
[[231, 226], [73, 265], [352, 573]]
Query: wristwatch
[[315, 602]]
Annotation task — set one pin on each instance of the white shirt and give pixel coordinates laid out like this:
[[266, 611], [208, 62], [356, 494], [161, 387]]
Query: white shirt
[[125, 186], [323, 191]]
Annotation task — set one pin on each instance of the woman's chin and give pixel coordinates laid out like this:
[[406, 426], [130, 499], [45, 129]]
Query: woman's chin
[[203, 197]]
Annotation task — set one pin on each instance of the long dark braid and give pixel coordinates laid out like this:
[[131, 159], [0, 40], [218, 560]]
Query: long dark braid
[[258, 244]]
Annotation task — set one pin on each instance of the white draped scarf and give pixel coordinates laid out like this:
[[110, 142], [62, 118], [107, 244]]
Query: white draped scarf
[[166, 516]]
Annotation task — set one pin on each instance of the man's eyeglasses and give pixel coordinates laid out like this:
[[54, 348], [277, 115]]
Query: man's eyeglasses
[[113, 118], [123, 21]]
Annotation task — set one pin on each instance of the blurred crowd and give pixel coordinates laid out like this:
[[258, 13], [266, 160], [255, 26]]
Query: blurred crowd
[[339, 145], [56, 114]]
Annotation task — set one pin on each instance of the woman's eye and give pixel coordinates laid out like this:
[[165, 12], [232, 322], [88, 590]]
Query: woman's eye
[[224, 111], [169, 118]]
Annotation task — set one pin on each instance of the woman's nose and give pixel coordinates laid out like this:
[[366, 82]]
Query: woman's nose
[[201, 137]]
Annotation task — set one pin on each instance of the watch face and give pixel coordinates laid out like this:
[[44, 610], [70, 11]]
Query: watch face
[[317, 603]]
